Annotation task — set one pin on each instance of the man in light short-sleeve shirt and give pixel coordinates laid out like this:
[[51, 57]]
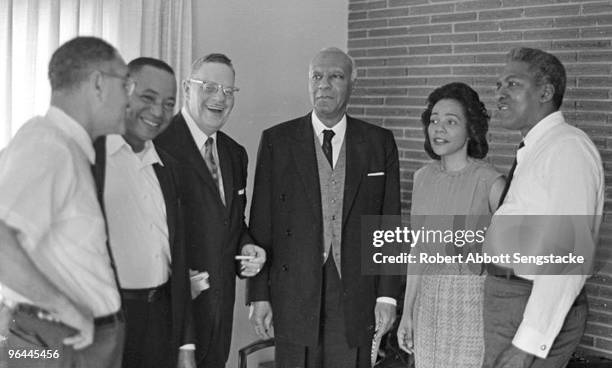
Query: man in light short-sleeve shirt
[[54, 255]]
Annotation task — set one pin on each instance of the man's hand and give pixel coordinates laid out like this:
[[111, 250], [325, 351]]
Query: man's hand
[[186, 359], [19, 273], [384, 315], [513, 357], [199, 282], [405, 334], [256, 259], [260, 315], [81, 320]]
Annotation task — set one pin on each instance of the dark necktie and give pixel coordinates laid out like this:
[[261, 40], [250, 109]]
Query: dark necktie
[[510, 176], [328, 134], [209, 158], [98, 171]]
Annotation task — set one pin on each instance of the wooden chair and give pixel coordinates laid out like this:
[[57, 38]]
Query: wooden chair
[[251, 348]]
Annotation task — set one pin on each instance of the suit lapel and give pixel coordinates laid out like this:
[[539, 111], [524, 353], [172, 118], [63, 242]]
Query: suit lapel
[[193, 155], [356, 164], [225, 160], [166, 185], [306, 163]]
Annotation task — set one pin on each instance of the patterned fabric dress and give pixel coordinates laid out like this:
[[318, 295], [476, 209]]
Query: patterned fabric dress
[[448, 325]]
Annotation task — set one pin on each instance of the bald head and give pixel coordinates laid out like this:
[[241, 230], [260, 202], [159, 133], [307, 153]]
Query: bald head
[[338, 55], [331, 76]]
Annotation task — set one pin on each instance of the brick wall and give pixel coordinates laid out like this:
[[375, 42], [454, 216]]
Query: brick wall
[[405, 48]]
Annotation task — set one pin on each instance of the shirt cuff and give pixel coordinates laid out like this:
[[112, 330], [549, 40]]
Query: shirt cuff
[[532, 341], [187, 347], [386, 299]]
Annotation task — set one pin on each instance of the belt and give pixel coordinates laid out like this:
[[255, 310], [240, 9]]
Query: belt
[[109, 319], [36, 312], [45, 315], [149, 295], [504, 273]]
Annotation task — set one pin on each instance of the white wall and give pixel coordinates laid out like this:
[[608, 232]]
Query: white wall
[[270, 43]]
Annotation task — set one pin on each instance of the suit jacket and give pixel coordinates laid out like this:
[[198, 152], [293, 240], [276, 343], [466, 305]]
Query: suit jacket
[[180, 291], [286, 220], [215, 232]]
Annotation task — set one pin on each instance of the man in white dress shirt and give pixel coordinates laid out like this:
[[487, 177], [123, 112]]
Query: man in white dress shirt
[[535, 317], [142, 202], [52, 231]]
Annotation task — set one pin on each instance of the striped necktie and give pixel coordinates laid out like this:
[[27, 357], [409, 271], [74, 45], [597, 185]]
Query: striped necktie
[[209, 158]]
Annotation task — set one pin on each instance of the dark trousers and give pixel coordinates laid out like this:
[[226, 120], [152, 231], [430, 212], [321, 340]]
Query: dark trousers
[[42, 340], [333, 350], [148, 334], [504, 304], [216, 352]]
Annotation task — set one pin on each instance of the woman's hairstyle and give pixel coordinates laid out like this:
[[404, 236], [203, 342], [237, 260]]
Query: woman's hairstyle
[[477, 118]]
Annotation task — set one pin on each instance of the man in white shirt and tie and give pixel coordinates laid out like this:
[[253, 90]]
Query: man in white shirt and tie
[[53, 250], [534, 316]]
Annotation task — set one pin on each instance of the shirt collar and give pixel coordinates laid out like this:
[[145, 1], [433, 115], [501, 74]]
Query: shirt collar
[[73, 129], [116, 143], [542, 127], [198, 135], [318, 126]]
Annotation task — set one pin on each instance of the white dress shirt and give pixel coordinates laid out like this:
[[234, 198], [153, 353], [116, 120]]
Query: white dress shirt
[[47, 193], [338, 138], [136, 215], [200, 139], [336, 142], [558, 172]]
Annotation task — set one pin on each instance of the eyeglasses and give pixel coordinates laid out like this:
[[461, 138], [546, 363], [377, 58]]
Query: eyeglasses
[[212, 87], [128, 83]]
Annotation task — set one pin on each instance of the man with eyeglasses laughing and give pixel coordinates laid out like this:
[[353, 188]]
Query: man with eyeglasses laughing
[[214, 203], [142, 202]]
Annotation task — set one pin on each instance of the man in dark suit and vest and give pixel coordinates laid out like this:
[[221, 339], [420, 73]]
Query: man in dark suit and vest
[[316, 176], [146, 233], [214, 193]]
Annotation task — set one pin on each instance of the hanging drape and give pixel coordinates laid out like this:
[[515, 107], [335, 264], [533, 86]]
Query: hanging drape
[[30, 30]]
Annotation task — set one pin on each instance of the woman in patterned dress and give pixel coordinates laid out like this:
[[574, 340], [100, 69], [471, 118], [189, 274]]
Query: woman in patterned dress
[[442, 317]]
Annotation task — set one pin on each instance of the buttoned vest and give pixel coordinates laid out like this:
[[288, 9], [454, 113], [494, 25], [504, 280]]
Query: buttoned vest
[[331, 182]]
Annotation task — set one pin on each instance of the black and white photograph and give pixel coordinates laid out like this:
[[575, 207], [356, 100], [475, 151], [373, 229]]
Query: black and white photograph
[[305, 184]]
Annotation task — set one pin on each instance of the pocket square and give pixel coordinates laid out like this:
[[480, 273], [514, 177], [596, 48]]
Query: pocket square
[[378, 173], [241, 191]]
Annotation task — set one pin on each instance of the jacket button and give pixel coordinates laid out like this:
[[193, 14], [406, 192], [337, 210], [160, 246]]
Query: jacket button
[[283, 197], [285, 268], [288, 232]]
